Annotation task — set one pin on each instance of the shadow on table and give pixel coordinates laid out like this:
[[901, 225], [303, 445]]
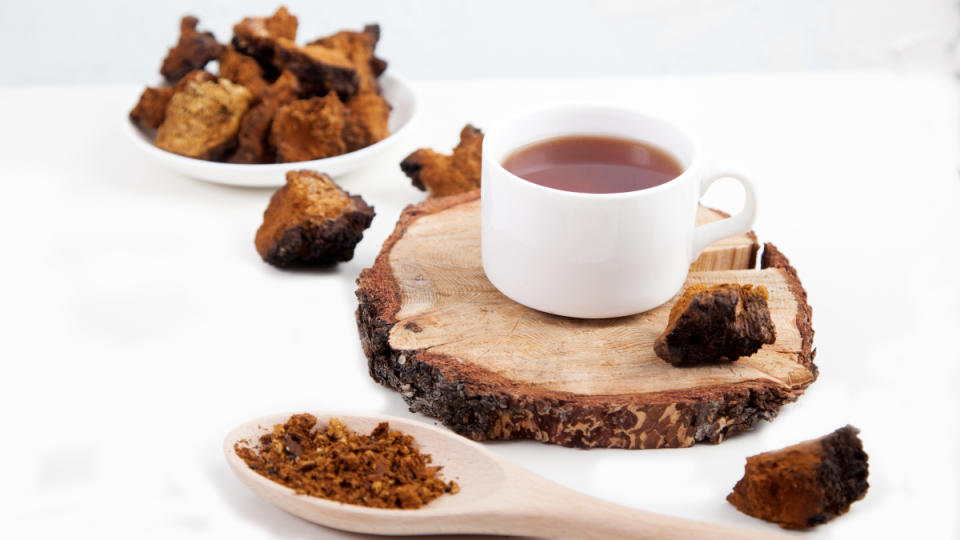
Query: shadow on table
[[280, 524]]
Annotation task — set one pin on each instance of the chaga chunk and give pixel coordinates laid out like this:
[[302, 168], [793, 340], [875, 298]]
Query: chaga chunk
[[283, 90], [192, 51], [319, 69], [367, 117], [257, 36], [151, 109], [442, 175], [311, 222], [358, 47], [309, 129], [253, 140], [243, 70], [203, 119], [377, 65], [709, 325], [806, 484], [195, 76]]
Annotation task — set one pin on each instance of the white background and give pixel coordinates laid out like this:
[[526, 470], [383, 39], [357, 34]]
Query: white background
[[48, 41], [138, 325]]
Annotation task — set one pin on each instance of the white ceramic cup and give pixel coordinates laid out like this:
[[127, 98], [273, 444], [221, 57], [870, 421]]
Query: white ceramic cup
[[594, 255]]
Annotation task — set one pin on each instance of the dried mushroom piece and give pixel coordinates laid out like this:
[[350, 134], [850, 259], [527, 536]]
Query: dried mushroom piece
[[151, 108], [253, 137], [311, 222], [283, 90], [709, 325], [358, 48], [243, 70], [202, 119], [320, 69], [806, 484], [192, 51], [309, 129], [195, 76], [377, 65], [442, 175], [257, 36], [253, 140], [368, 115]]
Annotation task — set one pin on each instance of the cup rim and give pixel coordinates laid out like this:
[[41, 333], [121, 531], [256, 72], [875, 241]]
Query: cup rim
[[565, 106]]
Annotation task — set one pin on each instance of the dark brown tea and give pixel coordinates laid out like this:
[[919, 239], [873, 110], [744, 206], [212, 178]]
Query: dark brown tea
[[591, 164]]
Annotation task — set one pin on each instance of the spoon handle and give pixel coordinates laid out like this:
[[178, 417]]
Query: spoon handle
[[539, 507]]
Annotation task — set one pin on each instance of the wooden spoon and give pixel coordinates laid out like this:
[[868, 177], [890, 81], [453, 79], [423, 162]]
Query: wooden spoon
[[496, 496]]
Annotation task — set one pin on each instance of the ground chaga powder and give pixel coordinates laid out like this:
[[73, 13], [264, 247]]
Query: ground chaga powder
[[381, 470]]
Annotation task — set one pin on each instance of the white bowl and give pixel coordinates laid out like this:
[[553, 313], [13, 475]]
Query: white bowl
[[396, 90]]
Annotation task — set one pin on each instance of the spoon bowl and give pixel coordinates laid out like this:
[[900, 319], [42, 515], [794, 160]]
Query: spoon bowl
[[496, 496], [475, 469]]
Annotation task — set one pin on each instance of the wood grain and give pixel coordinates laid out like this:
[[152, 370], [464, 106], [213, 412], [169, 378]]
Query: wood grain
[[436, 330]]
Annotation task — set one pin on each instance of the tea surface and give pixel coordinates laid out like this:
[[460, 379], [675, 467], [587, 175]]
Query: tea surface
[[592, 164]]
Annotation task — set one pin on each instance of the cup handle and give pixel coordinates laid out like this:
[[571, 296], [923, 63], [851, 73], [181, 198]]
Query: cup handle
[[709, 233]]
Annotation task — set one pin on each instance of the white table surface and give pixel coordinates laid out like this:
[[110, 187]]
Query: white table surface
[[138, 324]]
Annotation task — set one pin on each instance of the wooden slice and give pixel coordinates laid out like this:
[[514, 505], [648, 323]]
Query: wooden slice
[[435, 330]]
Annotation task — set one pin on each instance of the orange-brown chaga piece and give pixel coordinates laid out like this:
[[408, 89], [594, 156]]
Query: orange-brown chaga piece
[[442, 175], [368, 116], [311, 222], [192, 51], [257, 36], [320, 69], [253, 137], [243, 70], [253, 140], [202, 119], [283, 90], [195, 76], [309, 129], [358, 47], [377, 65], [806, 484], [151, 109], [710, 325]]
